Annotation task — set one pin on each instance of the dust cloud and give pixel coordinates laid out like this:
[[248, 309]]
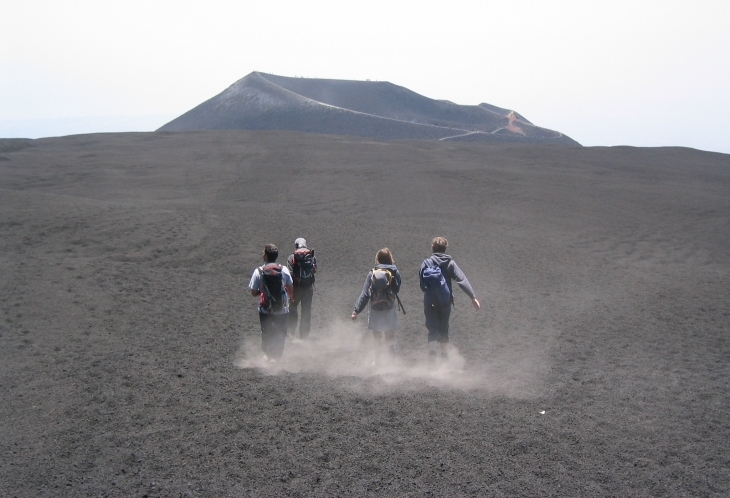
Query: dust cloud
[[346, 350]]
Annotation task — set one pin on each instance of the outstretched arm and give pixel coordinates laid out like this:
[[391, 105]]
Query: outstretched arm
[[364, 298], [463, 282]]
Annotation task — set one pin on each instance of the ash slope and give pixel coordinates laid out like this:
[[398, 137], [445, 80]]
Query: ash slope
[[604, 274], [358, 108]]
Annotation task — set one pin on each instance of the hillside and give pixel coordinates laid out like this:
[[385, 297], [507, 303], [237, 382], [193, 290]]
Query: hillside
[[130, 345], [360, 108]]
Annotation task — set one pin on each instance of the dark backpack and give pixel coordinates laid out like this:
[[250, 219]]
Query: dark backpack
[[303, 267], [437, 289], [382, 296], [272, 288]]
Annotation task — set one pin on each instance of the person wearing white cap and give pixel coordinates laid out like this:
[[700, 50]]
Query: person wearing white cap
[[302, 266]]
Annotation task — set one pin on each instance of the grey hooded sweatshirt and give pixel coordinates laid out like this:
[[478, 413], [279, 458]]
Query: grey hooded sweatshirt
[[450, 270]]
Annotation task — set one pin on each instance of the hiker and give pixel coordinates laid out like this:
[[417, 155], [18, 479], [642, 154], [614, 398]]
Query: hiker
[[302, 267], [381, 291], [272, 284], [435, 278]]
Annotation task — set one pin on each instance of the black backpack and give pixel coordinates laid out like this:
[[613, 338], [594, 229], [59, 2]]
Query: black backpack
[[272, 288], [303, 267]]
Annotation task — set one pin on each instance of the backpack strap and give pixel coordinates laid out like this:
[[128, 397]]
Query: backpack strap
[[430, 263], [400, 305]]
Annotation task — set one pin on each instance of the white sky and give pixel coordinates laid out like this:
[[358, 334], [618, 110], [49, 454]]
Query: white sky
[[644, 73]]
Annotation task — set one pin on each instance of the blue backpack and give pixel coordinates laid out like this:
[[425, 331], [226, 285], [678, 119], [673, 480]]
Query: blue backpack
[[437, 288]]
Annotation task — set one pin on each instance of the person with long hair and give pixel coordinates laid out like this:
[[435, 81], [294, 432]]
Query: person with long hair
[[380, 293]]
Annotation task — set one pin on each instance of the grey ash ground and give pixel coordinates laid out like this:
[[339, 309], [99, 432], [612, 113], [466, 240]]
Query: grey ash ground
[[599, 365]]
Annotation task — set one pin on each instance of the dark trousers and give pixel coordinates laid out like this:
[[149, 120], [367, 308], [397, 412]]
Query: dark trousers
[[304, 296], [437, 322], [273, 334]]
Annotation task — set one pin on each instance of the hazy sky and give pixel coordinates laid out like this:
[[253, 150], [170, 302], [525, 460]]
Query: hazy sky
[[638, 73]]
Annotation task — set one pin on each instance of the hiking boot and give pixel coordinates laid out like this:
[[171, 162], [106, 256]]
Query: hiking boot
[[444, 355]]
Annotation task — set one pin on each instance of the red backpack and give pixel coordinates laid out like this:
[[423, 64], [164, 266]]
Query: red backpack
[[272, 288], [303, 267]]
